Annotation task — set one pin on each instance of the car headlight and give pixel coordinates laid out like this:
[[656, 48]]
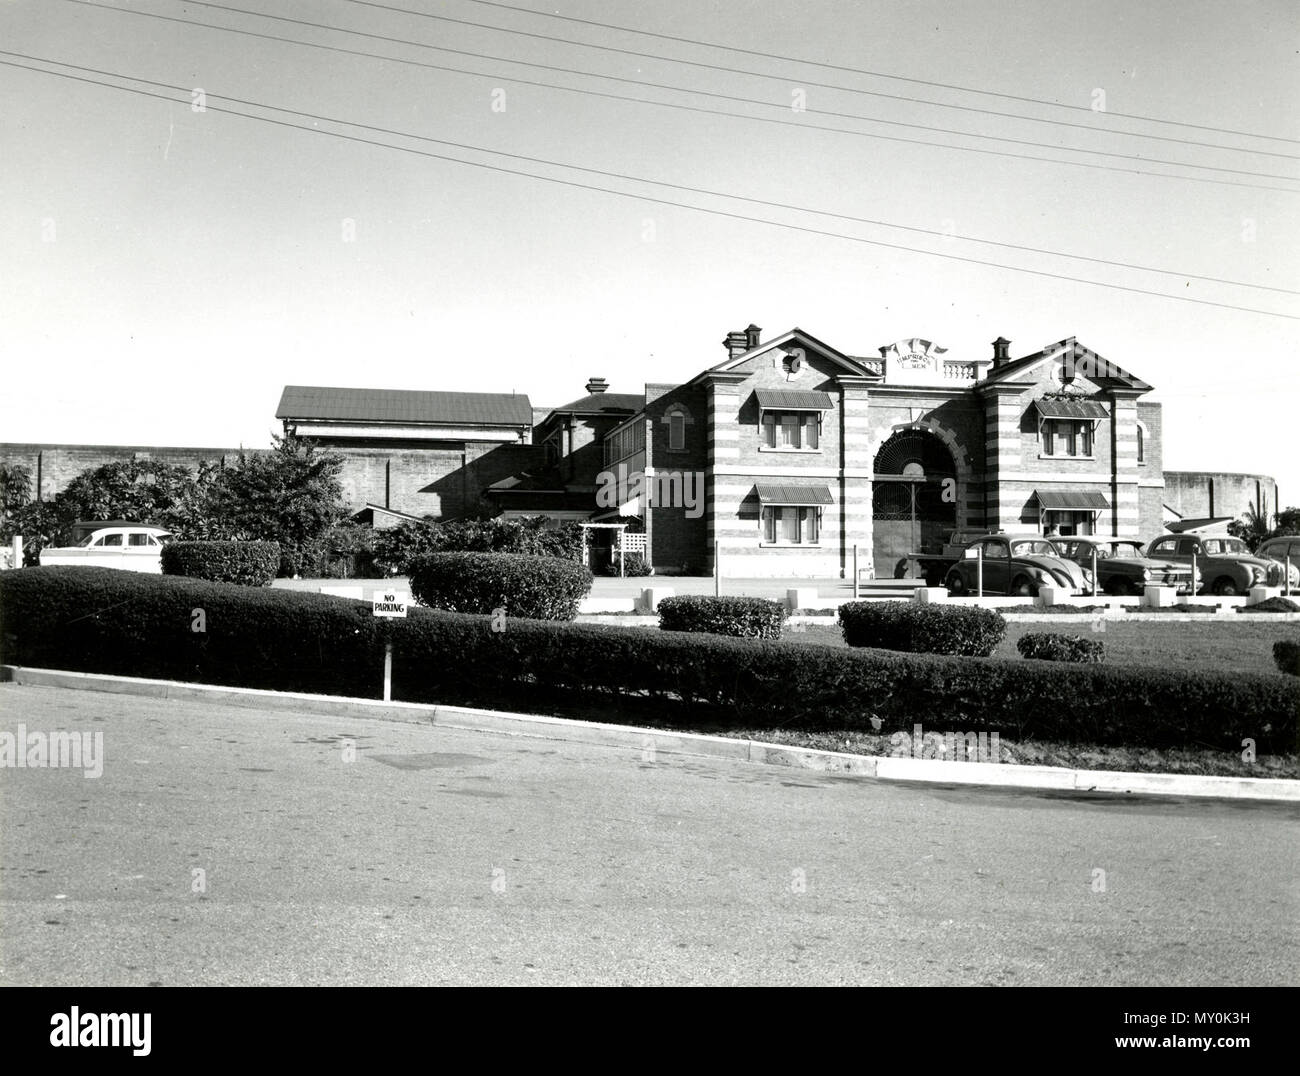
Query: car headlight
[[1257, 574], [1087, 575], [1146, 575]]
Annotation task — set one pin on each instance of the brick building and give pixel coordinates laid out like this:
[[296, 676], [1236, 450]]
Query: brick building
[[804, 451]]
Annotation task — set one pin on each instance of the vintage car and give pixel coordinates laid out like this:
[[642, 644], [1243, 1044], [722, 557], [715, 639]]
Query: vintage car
[[133, 547], [1282, 549], [1015, 564], [1225, 565], [1122, 567]]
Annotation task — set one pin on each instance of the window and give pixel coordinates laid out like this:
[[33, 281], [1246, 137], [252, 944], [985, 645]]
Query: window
[[1167, 548], [1068, 522], [1066, 437], [109, 539], [791, 525], [1142, 445], [676, 431], [995, 547], [140, 539], [791, 430]]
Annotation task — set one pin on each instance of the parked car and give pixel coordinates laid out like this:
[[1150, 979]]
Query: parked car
[[1015, 564], [1122, 567], [1281, 549], [132, 547], [1225, 565]]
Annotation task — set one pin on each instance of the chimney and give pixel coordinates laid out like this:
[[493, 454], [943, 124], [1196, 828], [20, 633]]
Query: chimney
[[736, 343], [597, 385], [751, 336], [1001, 352]]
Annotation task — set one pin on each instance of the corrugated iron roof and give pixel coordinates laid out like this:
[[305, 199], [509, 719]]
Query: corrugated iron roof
[[787, 494], [1067, 499], [794, 400], [1084, 409], [319, 403]]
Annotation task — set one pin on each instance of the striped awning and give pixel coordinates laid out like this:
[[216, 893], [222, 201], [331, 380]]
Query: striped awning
[[1085, 500], [796, 495], [1078, 409], [791, 400]]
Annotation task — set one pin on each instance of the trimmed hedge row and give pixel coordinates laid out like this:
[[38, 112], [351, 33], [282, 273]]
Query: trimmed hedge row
[[101, 620], [253, 564], [1052, 646], [922, 629], [537, 588], [755, 618]]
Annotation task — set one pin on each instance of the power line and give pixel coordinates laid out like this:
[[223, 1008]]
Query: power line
[[809, 82], [663, 104], [663, 183], [877, 74], [662, 201], [752, 101]]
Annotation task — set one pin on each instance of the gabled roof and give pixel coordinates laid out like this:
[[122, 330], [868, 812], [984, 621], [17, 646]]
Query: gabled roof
[[321, 404], [1087, 363], [797, 336]]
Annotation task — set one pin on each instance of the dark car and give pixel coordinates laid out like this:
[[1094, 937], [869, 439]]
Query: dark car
[[1282, 549], [1017, 565], [1122, 567]]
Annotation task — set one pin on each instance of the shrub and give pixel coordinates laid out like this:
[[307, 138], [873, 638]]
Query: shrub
[[1286, 655], [634, 565], [928, 629], [1051, 646], [1272, 605], [755, 618], [253, 564], [107, 621], [538, 588], [396, 547]]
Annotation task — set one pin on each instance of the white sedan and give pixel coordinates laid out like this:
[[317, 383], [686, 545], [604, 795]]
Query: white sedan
[[132, 548]]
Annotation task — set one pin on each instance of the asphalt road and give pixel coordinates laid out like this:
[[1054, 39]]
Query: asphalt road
[[442, 856]]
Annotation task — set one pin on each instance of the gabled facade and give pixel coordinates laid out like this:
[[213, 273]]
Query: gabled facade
[[804, 452]]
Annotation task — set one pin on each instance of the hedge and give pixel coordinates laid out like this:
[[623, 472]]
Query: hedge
[[395, 548], [101, 620], [538, 588], [1051, 646], [922, 629], [755, 618], [1286, 655], [253, 564]]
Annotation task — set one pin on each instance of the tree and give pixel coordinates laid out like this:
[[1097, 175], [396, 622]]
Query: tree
[[140, 491], [15, 493], [290, 495], [1251, 528]]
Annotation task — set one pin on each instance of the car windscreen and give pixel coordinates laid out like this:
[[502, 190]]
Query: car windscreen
[[1123, 550]]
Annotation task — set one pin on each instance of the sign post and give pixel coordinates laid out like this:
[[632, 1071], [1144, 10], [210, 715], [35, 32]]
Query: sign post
[[390, 603]]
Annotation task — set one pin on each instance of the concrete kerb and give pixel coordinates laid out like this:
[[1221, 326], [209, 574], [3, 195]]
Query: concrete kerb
[[883, 768]]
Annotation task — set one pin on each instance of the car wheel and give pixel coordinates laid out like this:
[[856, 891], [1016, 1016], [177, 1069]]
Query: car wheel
[[1022, 587], [956, 584], [1225, 587]]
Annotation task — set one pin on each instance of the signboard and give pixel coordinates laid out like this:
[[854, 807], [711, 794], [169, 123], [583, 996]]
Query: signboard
[[391, 603]]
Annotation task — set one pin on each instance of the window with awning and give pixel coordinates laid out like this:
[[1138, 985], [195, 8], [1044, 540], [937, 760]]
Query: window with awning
[[1068, 427], [791, 514], [791, 420]]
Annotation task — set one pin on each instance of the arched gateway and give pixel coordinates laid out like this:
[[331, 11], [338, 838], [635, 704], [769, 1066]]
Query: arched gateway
[[914, 497]]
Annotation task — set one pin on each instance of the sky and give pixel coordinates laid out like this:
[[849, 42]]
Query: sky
[[167, 267]]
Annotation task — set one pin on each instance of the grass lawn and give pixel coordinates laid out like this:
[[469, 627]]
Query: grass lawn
[[1229, 647]]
